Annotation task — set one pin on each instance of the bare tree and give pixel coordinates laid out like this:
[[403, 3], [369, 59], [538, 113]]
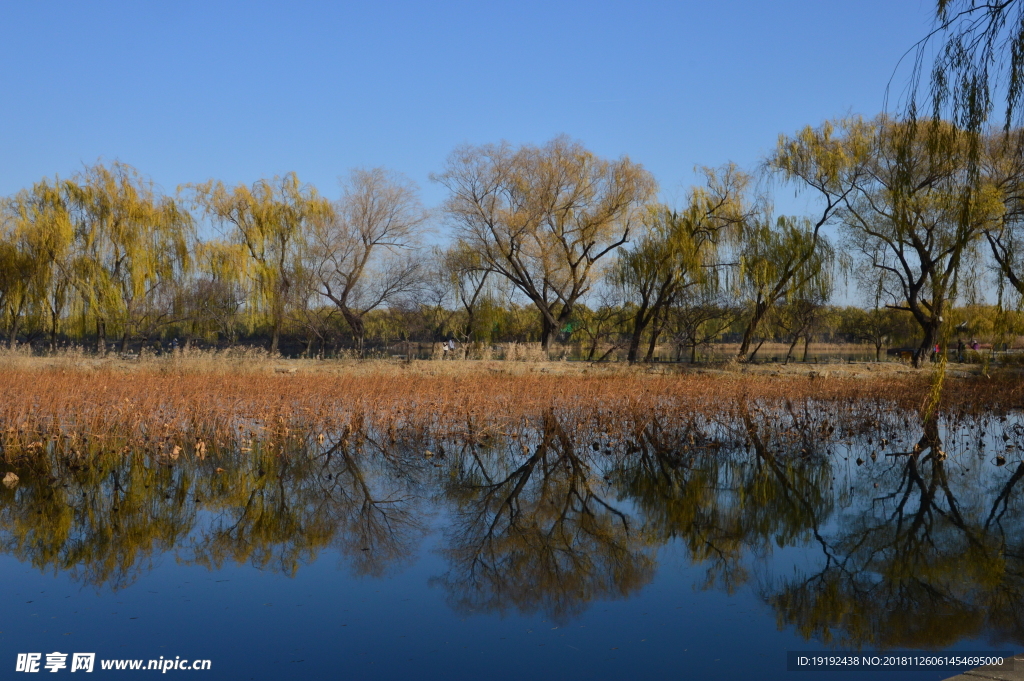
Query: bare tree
[[360, 257]]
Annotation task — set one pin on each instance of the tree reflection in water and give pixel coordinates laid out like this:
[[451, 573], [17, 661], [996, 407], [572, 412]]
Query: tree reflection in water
[[534, 527], [281, 511], [917, 540], [928, 555]]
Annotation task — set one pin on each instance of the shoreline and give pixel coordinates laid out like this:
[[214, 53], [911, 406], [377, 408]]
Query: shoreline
[[204, 363]]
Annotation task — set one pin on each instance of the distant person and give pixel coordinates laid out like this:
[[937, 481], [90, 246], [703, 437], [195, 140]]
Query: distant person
[[960, 350], [974, 344]]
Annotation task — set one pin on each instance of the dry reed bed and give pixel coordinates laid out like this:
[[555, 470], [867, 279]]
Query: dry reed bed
[[82, 412]]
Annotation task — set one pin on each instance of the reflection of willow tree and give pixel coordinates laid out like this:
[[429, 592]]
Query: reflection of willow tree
[[279, 512], [532, 530], [927, 564], [103, 523], [698, 484], [913, 549], [266, 514]]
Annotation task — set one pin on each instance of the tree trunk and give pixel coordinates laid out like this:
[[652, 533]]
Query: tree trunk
[[655, 333], [469, 325], [547, 333], [101, 335], [754, 353], [15, 324], [634, 349], [807, 343], [54, 321], [748, 334], [276, 338], [355, 323], [789, 353], [641, 320], [931, 335]]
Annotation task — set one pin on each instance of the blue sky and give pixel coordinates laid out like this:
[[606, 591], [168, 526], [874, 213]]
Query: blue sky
[[186, 91]]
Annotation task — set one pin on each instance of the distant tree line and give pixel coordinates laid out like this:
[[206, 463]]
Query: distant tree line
[[539, 243]]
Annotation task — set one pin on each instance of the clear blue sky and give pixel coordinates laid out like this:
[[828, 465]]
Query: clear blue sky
[[186, 91]]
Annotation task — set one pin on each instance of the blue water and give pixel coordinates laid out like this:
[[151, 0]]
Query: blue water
[[322, 624], [584, 581]]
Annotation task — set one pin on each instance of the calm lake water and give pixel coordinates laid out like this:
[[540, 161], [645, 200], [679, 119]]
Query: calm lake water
[[707, 550]]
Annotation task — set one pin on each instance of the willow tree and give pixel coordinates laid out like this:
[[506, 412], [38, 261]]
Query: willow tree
[[209, 303], [918, 218], [781, 262], [908, 200], [361, 257], [544, 217], [39, 236], [977, 70], [678, 250], [908, 203], [979, 62], [132, 244], [269, 220], [16, 271], [1002, 176]]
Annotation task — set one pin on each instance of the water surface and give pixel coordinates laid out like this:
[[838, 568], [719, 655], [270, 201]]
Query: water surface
[[700, 547]]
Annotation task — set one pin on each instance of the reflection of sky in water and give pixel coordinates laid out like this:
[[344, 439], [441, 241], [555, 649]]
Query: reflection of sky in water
[[444, 602], [322, 624]]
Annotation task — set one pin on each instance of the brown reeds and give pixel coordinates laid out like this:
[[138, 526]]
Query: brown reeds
[[177, 411]]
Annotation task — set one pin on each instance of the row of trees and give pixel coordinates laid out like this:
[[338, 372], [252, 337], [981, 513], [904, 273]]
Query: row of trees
[[925, 212]]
